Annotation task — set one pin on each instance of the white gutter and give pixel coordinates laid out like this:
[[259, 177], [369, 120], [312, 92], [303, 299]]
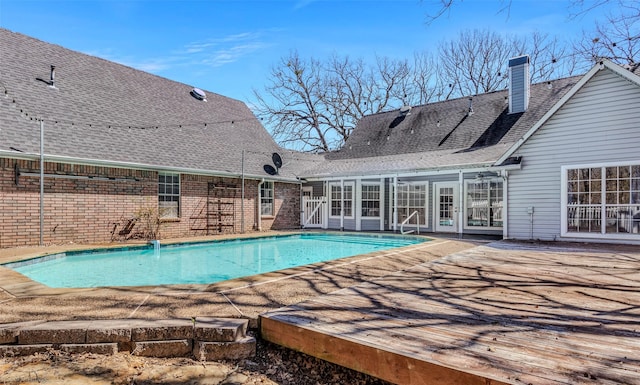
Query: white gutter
[[425, 172], [137, 166]]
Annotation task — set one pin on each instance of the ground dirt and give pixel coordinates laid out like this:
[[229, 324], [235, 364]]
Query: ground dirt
[[272, 365]]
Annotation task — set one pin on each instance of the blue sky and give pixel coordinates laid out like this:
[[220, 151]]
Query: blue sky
[[229, 46]]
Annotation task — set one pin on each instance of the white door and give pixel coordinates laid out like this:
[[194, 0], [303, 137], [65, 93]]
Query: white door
[[446, 207]]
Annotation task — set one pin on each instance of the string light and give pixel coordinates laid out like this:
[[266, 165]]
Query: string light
[[110, 125]]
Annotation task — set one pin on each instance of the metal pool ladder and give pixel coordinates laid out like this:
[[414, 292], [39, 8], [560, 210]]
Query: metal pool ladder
[[417, 230]]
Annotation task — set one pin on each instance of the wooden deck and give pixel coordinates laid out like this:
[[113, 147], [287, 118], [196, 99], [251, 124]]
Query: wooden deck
[[503, 313]]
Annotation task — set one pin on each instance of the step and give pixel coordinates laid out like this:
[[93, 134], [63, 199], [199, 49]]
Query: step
[[210, 329], [214, 351], [162, 349], [208, 338]]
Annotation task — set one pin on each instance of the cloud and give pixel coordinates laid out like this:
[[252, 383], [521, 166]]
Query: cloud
[[213, 52], [216, 52], [220, 57], [303, 3], [152, 65]]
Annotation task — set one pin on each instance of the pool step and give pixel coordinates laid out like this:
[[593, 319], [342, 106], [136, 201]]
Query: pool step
[[204, 338]]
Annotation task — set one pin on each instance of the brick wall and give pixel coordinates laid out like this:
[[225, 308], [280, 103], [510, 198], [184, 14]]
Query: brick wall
[[88, 210]]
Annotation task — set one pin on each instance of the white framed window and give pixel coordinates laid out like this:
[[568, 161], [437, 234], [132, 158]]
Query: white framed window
[[370, 200], [266, 199], [168, 195], [483, 204], [336, 199], [602, 200], [412, 197]]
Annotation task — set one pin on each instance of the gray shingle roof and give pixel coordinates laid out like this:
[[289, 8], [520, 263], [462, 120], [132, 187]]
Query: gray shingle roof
[[440, 135], [103, 111]]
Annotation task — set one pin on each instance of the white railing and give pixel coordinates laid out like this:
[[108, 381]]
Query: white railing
[[618, 218], [417, 230], [313, 212]]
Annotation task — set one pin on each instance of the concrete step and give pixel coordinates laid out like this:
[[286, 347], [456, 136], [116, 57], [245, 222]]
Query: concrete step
[[208, 338], [211, 329], [214, 351]]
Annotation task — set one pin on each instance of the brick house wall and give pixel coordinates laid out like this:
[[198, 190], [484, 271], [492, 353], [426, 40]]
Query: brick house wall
[[83, 210]]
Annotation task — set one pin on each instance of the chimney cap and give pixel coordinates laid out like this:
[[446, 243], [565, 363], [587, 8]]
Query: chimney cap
[[516, 61]]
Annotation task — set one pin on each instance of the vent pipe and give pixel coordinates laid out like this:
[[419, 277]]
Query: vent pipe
[[518, 84], [53, 76]]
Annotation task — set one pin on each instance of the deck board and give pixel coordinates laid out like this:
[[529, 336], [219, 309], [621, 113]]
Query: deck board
[[499, 314]]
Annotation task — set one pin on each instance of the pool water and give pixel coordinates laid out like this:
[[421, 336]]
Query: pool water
[[200, 263]]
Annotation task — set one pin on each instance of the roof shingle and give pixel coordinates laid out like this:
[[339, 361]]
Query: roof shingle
[[104, 111]]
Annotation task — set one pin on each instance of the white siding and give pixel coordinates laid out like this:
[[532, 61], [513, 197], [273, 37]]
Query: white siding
[[600, 123]]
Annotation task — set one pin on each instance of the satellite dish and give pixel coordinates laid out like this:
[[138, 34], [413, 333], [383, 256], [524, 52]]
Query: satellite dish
[[277, 160], [269, 169], [405, 109]]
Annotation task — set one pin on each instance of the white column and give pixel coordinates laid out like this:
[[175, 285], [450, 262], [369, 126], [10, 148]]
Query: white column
[[358, 204], [460, 202], [341, 204], [325, 209], [382, 205], [505, 204], [395, 203]]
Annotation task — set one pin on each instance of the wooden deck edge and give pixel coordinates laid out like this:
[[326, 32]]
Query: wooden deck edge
[[389, 366]]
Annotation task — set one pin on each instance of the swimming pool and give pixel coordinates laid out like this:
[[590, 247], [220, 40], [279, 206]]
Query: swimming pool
[[199, 263]]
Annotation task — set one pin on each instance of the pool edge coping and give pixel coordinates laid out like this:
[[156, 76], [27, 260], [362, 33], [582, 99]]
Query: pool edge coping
[[18, 285]]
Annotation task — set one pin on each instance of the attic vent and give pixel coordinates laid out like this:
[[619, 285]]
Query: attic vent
[[198, 94]]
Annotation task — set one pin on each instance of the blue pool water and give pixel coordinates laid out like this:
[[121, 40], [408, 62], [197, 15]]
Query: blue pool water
[[200, 263]]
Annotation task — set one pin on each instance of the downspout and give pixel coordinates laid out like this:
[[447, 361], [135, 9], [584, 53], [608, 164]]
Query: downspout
[[42, 177], [242, 201], [259, 226]]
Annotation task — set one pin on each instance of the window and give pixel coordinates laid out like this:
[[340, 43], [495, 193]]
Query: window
[[484, 203], [168, 195], [266, 199], [412, 197], [337, 199], [370, 200], [603, 200]]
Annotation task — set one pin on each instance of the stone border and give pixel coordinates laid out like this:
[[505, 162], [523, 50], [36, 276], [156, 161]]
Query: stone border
[[203, 338]]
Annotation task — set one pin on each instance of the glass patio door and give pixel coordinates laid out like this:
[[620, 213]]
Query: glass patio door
[[446, 207]]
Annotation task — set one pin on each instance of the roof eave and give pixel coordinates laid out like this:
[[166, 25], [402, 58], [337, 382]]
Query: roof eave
[[142, 166], [466, 167]]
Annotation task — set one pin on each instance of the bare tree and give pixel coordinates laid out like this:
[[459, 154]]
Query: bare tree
[[551, 59], [294, 104], [313, 106], [474, 63], [617, 39], [445, 6], [422, 85]]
